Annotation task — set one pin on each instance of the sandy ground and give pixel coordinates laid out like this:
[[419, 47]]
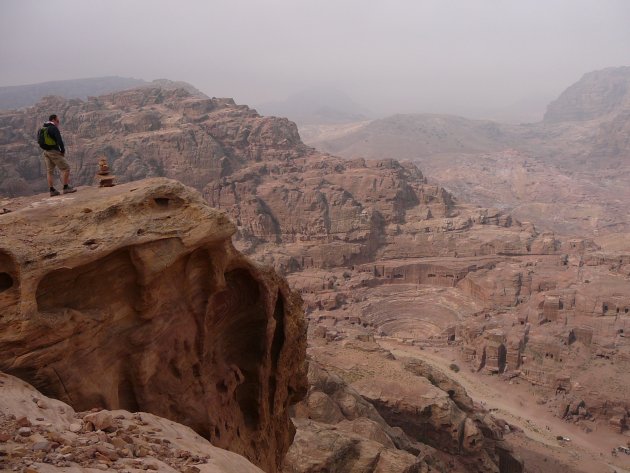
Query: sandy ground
[[515, 402]]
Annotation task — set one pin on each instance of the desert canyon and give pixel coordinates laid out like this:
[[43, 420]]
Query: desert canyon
[[413, 294]]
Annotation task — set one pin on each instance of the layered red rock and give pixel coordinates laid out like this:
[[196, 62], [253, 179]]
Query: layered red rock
[[144, 133], [133, 297]]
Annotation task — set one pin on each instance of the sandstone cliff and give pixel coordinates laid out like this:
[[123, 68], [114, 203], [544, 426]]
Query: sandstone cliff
[[133, 297]]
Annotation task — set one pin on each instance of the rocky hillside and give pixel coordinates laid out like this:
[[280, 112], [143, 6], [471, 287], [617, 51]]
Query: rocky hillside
[[415, 136], [293, 207], [21, 96], [146, 306], [326, 211], [143, 133]]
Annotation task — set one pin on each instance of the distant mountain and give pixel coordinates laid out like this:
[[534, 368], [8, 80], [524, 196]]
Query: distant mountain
[[418, 135], [19, 96], [316, 105], [596, 94]]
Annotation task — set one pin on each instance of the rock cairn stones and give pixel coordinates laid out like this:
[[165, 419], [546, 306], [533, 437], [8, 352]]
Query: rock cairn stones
[[103, 176]]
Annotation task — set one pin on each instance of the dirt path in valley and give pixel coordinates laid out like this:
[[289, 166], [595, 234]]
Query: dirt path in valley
[[516, 404]]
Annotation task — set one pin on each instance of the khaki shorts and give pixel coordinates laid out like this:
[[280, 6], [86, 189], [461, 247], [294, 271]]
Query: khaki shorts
[[54, 158]]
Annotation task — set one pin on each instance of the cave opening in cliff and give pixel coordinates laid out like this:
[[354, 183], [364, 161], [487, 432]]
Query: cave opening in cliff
[[6, 281], [126, 396], [79, 288], [276, 347], [502, 358], [241, 314], [7, 267]]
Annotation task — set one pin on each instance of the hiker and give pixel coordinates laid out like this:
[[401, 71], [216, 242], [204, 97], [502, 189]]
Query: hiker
[[49, 139]]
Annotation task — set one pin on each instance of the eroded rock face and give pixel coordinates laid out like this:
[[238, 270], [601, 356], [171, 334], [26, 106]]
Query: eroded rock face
[[371, 244], [133, 297]]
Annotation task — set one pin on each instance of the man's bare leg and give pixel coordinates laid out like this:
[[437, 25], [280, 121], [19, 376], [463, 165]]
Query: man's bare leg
[[65, 175]]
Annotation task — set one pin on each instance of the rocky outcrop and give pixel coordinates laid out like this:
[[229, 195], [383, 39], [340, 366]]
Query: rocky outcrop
[[375, 249], [41, 434], [437, 378], [402, 404], [133, 297], [320, 447], [338, 430], [565, 331], [429, 415]]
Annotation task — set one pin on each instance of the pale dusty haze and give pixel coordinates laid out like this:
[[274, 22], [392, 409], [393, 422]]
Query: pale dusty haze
[[468, 57]]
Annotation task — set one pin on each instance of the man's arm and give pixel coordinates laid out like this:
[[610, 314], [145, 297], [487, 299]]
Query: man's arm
[[56, 135]]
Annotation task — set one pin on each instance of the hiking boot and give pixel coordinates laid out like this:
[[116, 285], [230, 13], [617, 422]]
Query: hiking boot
[[68, 190], [54, 192]]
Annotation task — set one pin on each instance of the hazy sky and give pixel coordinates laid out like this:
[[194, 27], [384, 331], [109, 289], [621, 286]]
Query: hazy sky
[[455, 56]]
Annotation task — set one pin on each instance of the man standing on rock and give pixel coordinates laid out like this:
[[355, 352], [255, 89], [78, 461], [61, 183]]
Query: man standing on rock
[[49, 139]]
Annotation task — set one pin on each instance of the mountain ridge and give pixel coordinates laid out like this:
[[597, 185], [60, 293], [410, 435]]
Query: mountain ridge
[[19, 96]]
